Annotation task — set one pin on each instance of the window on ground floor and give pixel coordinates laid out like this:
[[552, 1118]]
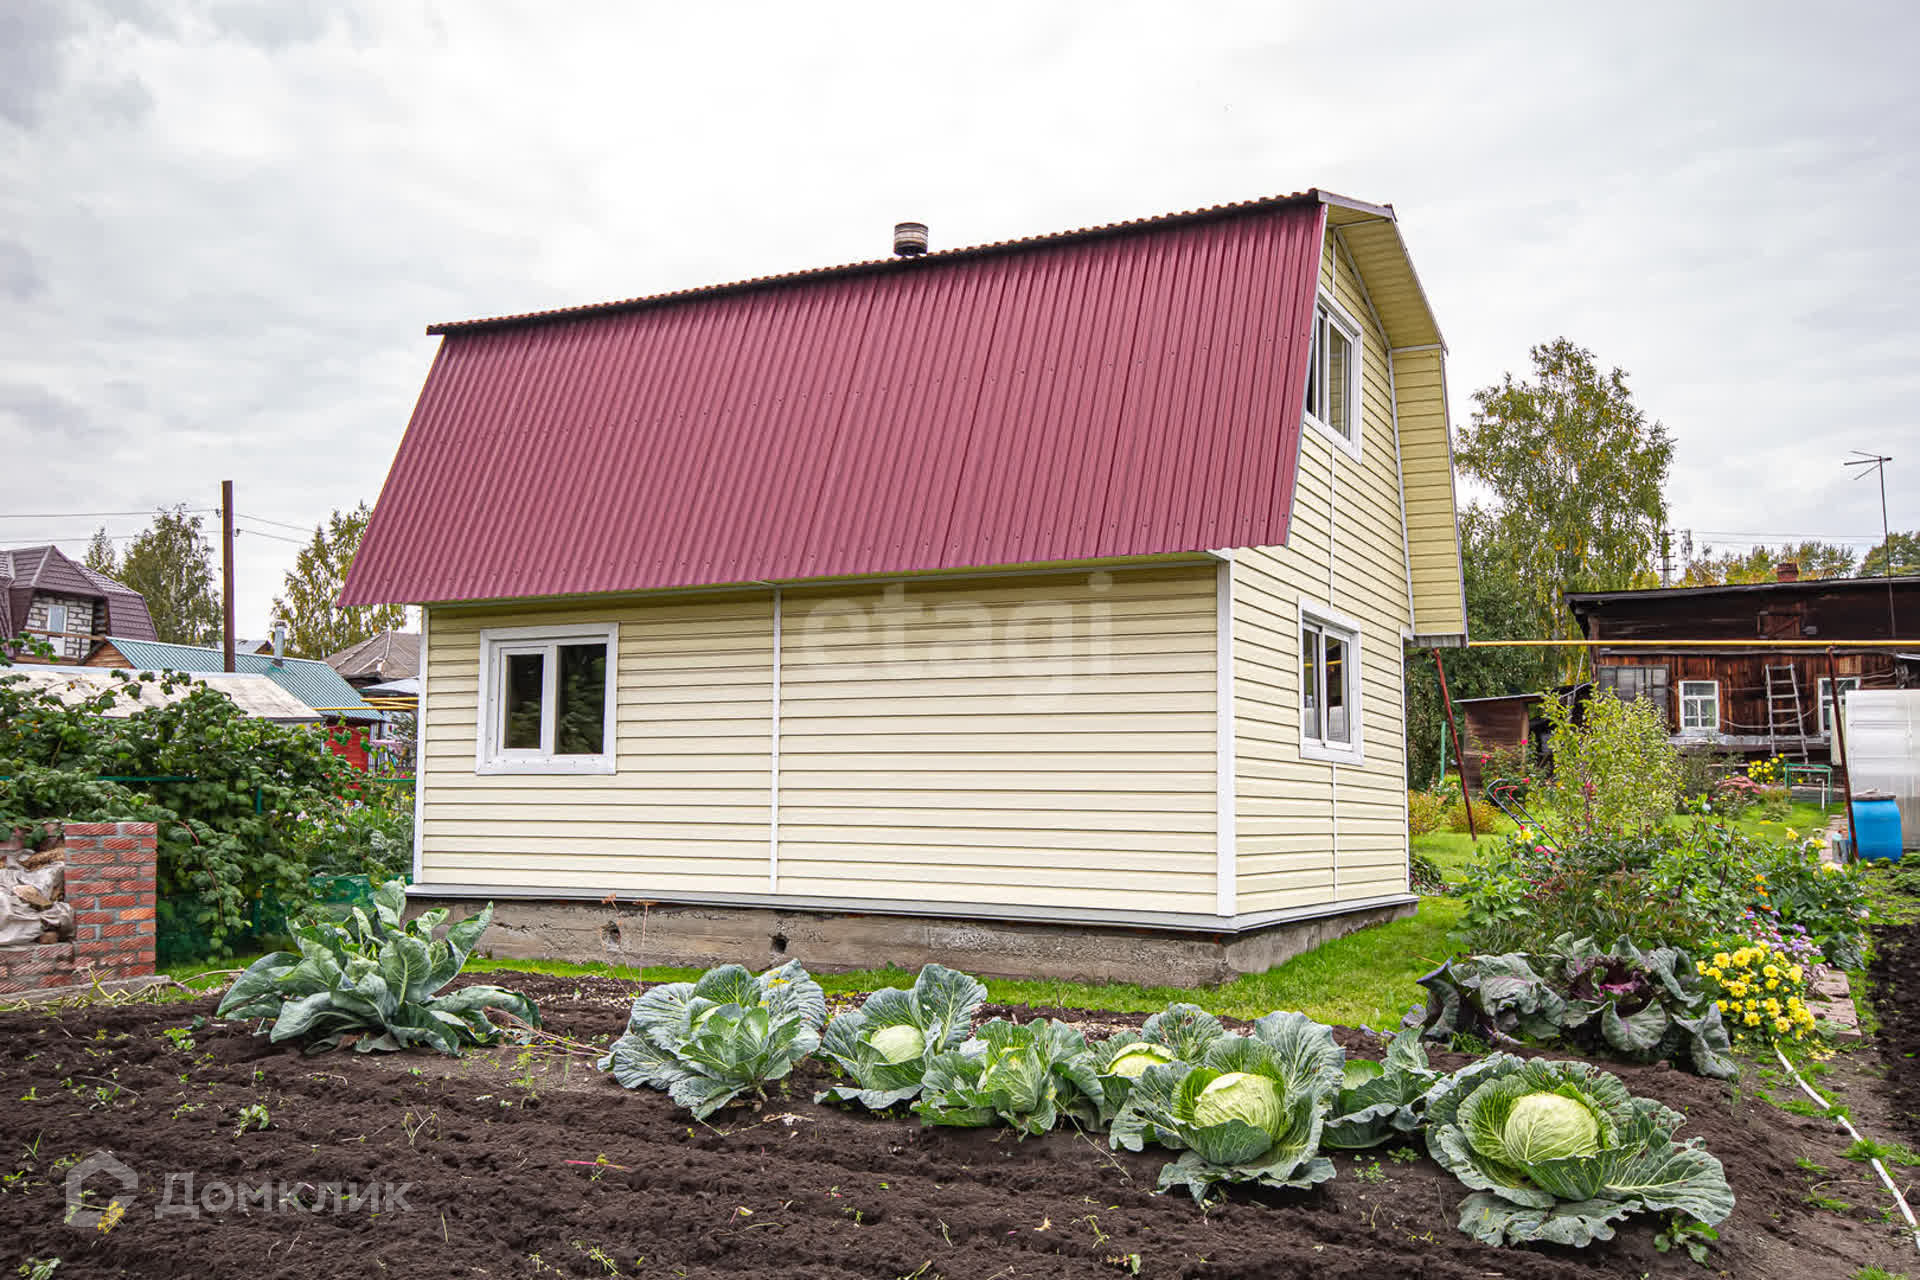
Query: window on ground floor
[[1631, 684], [1329, 686], [547, 699], [1699, 706], [1826, 699]]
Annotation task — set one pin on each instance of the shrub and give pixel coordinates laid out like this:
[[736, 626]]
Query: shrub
[[1701, 771], [1615, 769], [230, 833], [1425, 874], [1426, 812], [1485, 815], [371, 836], [1682, 887]]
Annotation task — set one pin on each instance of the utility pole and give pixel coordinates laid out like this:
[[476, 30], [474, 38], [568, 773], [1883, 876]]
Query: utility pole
[[1879, 464], [226, 569], [1666, 557]]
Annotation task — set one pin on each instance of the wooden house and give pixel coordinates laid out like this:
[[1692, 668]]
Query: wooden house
[[1738, 694], [1036, 607]]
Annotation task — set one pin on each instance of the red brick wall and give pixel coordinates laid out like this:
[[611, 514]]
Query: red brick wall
[[110, 882]]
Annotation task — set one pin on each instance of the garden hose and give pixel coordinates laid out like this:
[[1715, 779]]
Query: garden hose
[[1854, 1133]]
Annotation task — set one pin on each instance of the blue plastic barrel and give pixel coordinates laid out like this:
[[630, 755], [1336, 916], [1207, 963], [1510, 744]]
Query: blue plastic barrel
[[1876, 828]]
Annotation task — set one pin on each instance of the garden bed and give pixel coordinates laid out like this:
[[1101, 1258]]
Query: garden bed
[[1896, 974], [529, 1164]]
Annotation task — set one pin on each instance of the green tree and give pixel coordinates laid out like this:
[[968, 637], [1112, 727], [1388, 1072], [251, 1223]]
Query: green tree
[[1816, 560], [1497, 608], [1578, 477], [1906, 555], [100, 555], [172, 566], [317, 624]]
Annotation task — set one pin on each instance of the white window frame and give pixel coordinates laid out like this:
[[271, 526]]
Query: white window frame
[[1712, 696], [1329, 314], [1313, 614], [496, 643], [60, 607], [1825, 693]]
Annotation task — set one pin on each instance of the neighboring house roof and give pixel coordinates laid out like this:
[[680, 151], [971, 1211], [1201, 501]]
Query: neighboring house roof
[[1796, 586], [1128, 390], [255, 695], [383, 656], [49, 570], [314, 683]]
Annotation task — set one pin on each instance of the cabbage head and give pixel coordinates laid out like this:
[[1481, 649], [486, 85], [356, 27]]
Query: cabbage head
[[1560, 1151], [885, 1044], [1250, 1110], [1381, 1100], [1178, 1033], [1028, 1075], [708, 1042]]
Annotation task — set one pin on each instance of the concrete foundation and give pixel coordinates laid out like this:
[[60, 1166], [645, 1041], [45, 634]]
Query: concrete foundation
[[703, 936]]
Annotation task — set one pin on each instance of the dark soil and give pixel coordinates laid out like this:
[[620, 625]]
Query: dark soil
[[1896, 991], [523, 1164]]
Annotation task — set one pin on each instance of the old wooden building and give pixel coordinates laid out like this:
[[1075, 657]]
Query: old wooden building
[[1744, 696]]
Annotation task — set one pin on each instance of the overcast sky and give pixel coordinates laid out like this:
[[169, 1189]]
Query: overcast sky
[[224, 224]]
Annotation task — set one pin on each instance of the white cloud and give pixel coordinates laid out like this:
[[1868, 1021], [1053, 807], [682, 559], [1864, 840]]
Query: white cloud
[[224, 225]]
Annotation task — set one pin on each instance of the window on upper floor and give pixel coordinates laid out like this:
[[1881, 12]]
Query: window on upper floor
[[1333, 375], [547, 699], [1329, 686]]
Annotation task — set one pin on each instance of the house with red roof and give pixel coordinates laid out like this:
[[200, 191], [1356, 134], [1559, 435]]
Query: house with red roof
[[46, 594], [1037, 607]]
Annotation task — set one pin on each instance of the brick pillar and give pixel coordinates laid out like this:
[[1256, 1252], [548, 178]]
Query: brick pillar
[[110, 882]]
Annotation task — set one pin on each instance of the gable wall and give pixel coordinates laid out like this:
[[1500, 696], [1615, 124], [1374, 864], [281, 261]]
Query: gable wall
[[1308, 831]]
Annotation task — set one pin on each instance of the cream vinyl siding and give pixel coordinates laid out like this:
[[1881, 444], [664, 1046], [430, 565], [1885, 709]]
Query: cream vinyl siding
[[688, 808], [1045, 742], [1310, 832], [1426, 463]]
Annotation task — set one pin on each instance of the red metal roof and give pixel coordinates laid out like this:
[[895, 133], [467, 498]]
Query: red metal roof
[[1119, 391]]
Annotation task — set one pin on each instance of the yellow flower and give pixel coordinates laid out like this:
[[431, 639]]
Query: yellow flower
[[1772, 971], [1796, 973], [1722, 1004], [1773, 984], [1752, 1019], [1782, 1026], [1721, 960], [1773, 1007], [1753, 1004]]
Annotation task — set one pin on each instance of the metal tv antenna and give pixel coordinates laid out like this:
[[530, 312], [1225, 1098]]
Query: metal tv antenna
[[1878, 462]]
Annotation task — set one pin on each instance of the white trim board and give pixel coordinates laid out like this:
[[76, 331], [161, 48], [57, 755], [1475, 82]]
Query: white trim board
[[1225, 765]]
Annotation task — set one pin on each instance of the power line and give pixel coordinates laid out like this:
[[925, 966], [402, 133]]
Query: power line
[[298, 528], [261, 533], [89, 515], [1771, 537]]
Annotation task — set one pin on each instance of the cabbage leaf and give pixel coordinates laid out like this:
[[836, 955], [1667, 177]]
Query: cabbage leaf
[[886, 1044]]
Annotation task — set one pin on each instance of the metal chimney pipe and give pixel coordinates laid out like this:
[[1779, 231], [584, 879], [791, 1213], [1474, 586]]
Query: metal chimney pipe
[[909, 239], [279, 643]]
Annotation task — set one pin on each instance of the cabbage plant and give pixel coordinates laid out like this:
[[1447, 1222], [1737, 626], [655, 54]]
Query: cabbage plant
[[1380, 1100], [1027, 1075], [1178, 1033], [1643, 1006], [1251, 1110], [1560, 1151], [886, 1043], [375, 982], [731, 1032]]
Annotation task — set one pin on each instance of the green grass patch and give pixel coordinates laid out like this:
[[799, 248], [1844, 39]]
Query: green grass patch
[[1454, 850]]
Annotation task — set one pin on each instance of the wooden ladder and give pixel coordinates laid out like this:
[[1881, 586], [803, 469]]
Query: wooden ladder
[[1785, 723]]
